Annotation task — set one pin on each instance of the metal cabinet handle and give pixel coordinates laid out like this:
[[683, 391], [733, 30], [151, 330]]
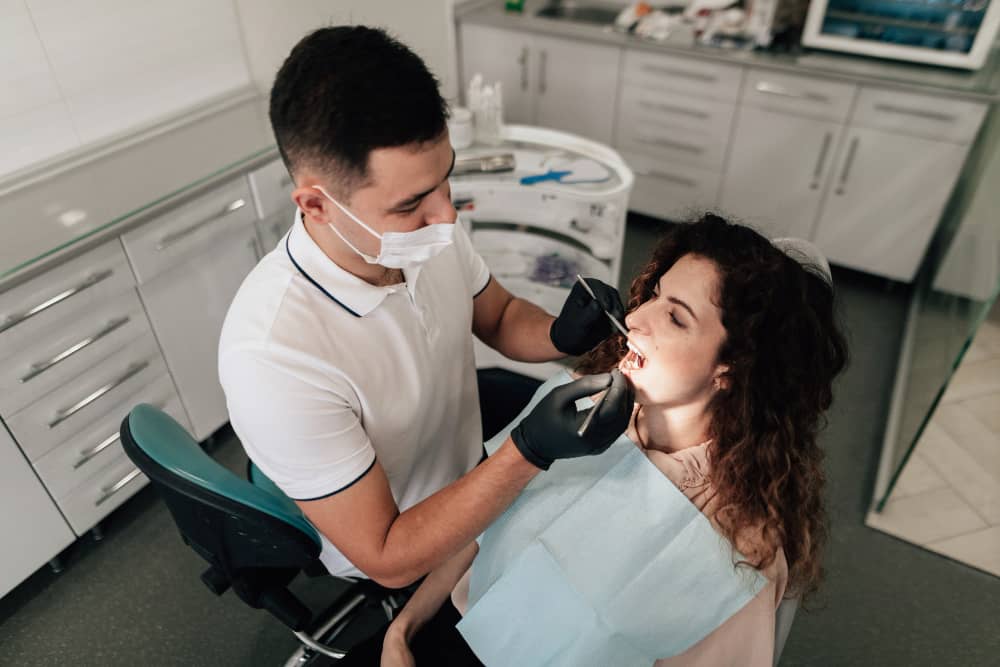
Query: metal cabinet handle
[[543, 62], [821, 160], [659, 106], [684, 74], [680, 180], [96, 449], [780, 91], [522, 60], [112, 489], [64, 414], [851, 152], [171, 239], [670, 143], [40, 367], [90, 281], [919, 113]]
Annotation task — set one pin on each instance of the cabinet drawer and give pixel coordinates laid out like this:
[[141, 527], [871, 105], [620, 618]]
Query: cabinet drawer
[[101, 494], [696, 78], [34, 308], [271, 187], [65, 351], [669, 192], [79, 402], [684, 131], [922, 115], [71, 463], [815, 98], [182, 233]]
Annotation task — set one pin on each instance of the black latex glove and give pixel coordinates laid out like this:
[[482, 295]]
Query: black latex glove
[[582, 323], [549, 432]]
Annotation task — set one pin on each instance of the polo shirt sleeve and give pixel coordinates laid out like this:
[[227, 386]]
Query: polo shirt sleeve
[[476, 272], [299, 426]]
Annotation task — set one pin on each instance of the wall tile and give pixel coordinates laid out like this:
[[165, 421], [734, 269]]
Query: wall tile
[[25, 78]]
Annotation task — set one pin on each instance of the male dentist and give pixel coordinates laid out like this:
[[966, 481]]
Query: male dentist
[[346, 356]]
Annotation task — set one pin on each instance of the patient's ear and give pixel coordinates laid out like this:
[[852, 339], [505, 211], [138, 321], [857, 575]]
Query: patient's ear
[[721, 379]]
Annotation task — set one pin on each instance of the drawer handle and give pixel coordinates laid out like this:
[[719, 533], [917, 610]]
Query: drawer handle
[[522, 60], [88, 454], [66, 413], [543, 66], [670, 143], [821, 160], [659, 106], [96, 449], [108, 491], [848, 162], [90, 281], [684, 74], [680, 180], [919, 113], [40, 367], [171, 239], [774, 89]]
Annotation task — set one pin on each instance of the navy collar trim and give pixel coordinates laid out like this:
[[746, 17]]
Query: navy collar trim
[[313, 280]]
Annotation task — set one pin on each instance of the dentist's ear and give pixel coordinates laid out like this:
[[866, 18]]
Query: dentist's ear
[[312, 203]]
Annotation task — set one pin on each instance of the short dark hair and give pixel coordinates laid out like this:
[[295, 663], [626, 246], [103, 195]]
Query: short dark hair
[[346, 90]]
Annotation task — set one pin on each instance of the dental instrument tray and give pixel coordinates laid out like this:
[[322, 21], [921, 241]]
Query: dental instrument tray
[[484, 164]]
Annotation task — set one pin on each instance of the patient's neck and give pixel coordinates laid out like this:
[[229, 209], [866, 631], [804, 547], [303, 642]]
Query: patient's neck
[[671, 429]]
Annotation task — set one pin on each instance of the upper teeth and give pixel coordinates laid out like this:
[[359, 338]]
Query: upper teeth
[[634, 359]]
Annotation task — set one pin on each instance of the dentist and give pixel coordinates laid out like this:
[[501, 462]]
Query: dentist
[[346, 356]]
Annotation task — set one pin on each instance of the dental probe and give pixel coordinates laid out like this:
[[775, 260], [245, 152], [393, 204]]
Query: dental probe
[[618, 325], [593, 411]]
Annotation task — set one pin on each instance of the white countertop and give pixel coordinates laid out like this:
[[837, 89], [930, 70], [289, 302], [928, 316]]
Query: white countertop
[[74, 205]]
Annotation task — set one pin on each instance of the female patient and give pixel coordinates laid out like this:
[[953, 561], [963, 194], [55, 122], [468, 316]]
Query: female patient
[[741, 347]]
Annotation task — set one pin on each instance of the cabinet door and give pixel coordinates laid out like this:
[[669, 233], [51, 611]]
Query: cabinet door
[[778, 167], [505, 56], [186, 306], [888, 192], [32, 528], [577, 87]]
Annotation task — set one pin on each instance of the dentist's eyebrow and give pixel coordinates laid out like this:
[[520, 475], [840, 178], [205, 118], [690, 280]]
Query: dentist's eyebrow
[[410, 201], [674, 299]]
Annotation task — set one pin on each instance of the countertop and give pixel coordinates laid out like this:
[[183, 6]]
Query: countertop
[[982, 85], [72, 204]]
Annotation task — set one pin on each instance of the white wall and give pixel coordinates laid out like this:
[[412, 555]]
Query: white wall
[[74, 73], [271, 28]]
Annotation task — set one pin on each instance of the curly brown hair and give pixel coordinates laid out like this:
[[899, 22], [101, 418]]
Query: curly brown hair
[[783, 348]]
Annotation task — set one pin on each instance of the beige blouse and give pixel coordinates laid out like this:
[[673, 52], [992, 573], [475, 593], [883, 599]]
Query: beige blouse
[[745, 639]]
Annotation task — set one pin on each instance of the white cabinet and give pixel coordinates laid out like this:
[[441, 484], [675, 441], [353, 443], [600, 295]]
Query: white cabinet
[[189, 265], [675, 116], [32, 528], [778, 170], [271, 187], [556, 83], [887, 197]]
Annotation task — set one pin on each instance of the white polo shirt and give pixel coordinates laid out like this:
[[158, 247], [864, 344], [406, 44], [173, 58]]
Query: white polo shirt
[[324, 373]]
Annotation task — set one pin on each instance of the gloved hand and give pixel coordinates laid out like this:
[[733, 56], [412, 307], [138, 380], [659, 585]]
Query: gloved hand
[[581, 323], [549, 432]]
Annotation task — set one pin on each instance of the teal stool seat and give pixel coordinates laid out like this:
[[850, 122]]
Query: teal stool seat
[[254, 538]]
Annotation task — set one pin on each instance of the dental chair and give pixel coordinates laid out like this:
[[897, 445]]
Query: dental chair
[[255, 539]]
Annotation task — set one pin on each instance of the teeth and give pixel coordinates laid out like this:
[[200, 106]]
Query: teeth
[[633, 360]]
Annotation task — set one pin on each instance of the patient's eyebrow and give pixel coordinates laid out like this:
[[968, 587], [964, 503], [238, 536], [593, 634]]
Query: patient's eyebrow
[[674, 299]]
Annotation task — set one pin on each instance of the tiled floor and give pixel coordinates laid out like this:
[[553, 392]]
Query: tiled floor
[[947, 498]]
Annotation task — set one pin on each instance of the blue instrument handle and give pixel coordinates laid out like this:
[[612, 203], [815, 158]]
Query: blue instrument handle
[[548, 176]]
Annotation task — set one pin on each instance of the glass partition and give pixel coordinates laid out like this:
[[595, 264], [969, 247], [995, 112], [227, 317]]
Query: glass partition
[[954, 292]]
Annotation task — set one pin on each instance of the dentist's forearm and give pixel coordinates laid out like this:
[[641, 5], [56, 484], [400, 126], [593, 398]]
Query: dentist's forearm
[[523, 334]]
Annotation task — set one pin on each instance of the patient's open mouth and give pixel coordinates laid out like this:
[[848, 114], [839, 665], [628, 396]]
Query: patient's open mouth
[[633, 361]]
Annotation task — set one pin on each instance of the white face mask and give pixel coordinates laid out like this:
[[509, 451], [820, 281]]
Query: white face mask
[[400, 250]]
